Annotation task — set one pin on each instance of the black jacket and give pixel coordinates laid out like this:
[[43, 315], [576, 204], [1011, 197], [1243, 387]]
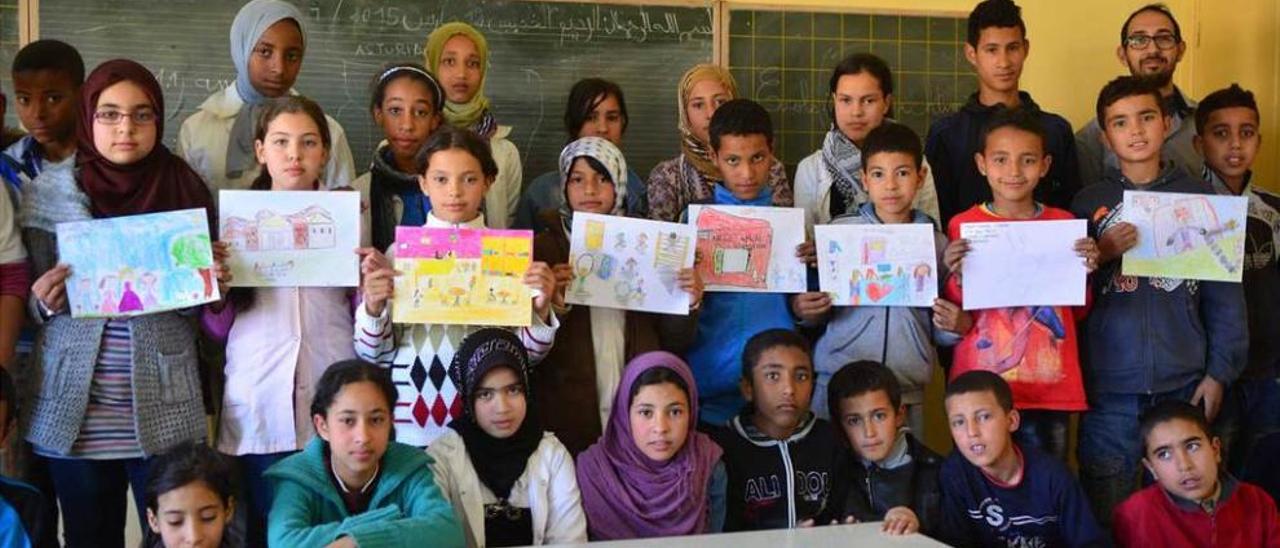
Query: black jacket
[[866, 492]]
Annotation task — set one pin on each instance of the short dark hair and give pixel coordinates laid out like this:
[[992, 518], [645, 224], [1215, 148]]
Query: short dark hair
[[892, 137], [184, 464], [1122, 87], [740, 117], [859, 63], [1020, 118], [1155, 7], [54, 55], [347, 372], [768, 339], [1228, 97], [413, 71], [449, 137], [1168, 410], [994, 13], [585, 96], [858, 378], [981, 381], [659, 375]]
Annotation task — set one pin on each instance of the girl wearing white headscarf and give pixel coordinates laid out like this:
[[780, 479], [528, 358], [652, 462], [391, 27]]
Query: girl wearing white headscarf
[[217, 141]]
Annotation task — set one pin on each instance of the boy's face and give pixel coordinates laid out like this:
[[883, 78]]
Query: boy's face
[[998, 57], [1134, 128], [46, 101], [1013, 162], [1230, 141], [871, 423], [780, 388], [744, 162], [892, 180], [1183, 459], [981, 429]]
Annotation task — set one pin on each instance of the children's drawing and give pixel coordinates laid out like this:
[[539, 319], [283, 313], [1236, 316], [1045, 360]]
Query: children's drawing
[[462, 276], [1024, 263], [749, 249], [1021, 343], [641, 276], [140, 264], [1188, 236], [291, 238], [877, 265]]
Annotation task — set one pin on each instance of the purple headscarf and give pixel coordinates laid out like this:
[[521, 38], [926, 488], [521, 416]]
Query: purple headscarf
[[628, 495]]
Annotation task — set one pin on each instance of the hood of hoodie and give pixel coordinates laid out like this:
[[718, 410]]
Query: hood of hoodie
[[744, 427]]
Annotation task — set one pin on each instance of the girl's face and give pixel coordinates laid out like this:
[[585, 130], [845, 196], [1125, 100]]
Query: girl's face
[[190, 516], [500, 403], [293, 151], [276, 59], [860, 105], [357, 426], [455, 184], [660, 420], [406, 116], [706, 96], [588, 190], [124, 124], [605, 121], [460, 69]]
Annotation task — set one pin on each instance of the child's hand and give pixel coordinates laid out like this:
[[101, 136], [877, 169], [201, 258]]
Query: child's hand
[[563, 274], [950, 317], [1116, 240], [811, 307], [1087, 248], [953, 256], [379, 280], [807, 252], [691, 282], [900, 520], [344, 542], [51, 288], [1210, 391], [221, 252], [540, 278]]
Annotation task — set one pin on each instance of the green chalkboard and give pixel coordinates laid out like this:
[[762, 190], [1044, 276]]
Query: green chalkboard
[[539, 49], [8, 47]]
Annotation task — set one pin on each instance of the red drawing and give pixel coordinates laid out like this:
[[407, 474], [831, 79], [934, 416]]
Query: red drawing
[[733, 250]]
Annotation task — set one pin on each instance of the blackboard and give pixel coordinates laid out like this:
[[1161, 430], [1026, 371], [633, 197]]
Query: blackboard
[[538, 49], [784, 59], [8, 47]]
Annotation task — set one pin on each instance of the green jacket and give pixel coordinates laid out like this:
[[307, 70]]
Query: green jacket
[[407, 508]]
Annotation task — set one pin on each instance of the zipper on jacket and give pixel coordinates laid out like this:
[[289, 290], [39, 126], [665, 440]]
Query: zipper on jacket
[[791, 488], [884, 341], [871, 492]]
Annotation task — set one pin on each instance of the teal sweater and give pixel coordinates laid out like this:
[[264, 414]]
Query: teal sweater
[[407, 508]]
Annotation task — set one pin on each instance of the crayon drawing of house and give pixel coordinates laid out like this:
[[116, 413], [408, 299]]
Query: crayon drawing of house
[[733, 250], [311, 228]]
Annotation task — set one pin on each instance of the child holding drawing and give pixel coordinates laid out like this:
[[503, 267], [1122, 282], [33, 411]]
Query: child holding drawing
[[265, 328], [1032, 347], [574, 390], [457, 169]]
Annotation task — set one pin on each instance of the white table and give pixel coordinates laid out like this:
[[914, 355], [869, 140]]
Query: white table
[[861, 534]]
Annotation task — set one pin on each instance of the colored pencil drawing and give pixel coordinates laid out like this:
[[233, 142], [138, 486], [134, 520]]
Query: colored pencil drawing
[[1189, 236], [749, 249], [1023, 263], [638, 272], [140, 264], [290, 239], [877, 265], [462, 276], [1020, 343]]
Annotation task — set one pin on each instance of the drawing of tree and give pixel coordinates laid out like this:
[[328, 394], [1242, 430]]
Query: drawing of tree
[[194, 251]]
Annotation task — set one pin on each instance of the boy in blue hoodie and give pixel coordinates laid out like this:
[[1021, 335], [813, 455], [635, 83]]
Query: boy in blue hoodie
[[1146, 339], [901, 338], [741, 136]]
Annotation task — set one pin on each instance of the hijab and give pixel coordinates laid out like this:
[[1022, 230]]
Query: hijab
[[694, 150], [474, 114], [161, 181], [606, 154], [499, 462], [251, 22], [626, 494]]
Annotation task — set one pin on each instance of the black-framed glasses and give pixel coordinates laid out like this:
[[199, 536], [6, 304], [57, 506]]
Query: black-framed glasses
[[1143, 41], [114, 117]]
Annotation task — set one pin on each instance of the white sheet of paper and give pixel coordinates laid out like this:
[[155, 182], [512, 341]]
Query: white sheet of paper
[[630, 264], [1023, 263], [291, 238], [877, 265], [749, 248]]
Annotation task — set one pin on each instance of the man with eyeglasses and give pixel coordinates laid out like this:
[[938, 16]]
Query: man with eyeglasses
[[1151, 45]]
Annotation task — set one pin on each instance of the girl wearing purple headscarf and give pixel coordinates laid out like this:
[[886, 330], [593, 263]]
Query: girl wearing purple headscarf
[[652, 474]]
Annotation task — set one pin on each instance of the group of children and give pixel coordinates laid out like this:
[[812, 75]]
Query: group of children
[[335, 426]]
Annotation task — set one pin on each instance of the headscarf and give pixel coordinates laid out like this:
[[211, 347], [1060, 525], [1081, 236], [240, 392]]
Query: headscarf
[[627, 495], [161, 181], [603, 151], [251, 22], [498, 462], [843, 161], [695, 151], [474, 114]]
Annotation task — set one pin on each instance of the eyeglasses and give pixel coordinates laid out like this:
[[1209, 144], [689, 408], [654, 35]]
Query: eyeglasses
[[114, 117], [1142, 41]]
